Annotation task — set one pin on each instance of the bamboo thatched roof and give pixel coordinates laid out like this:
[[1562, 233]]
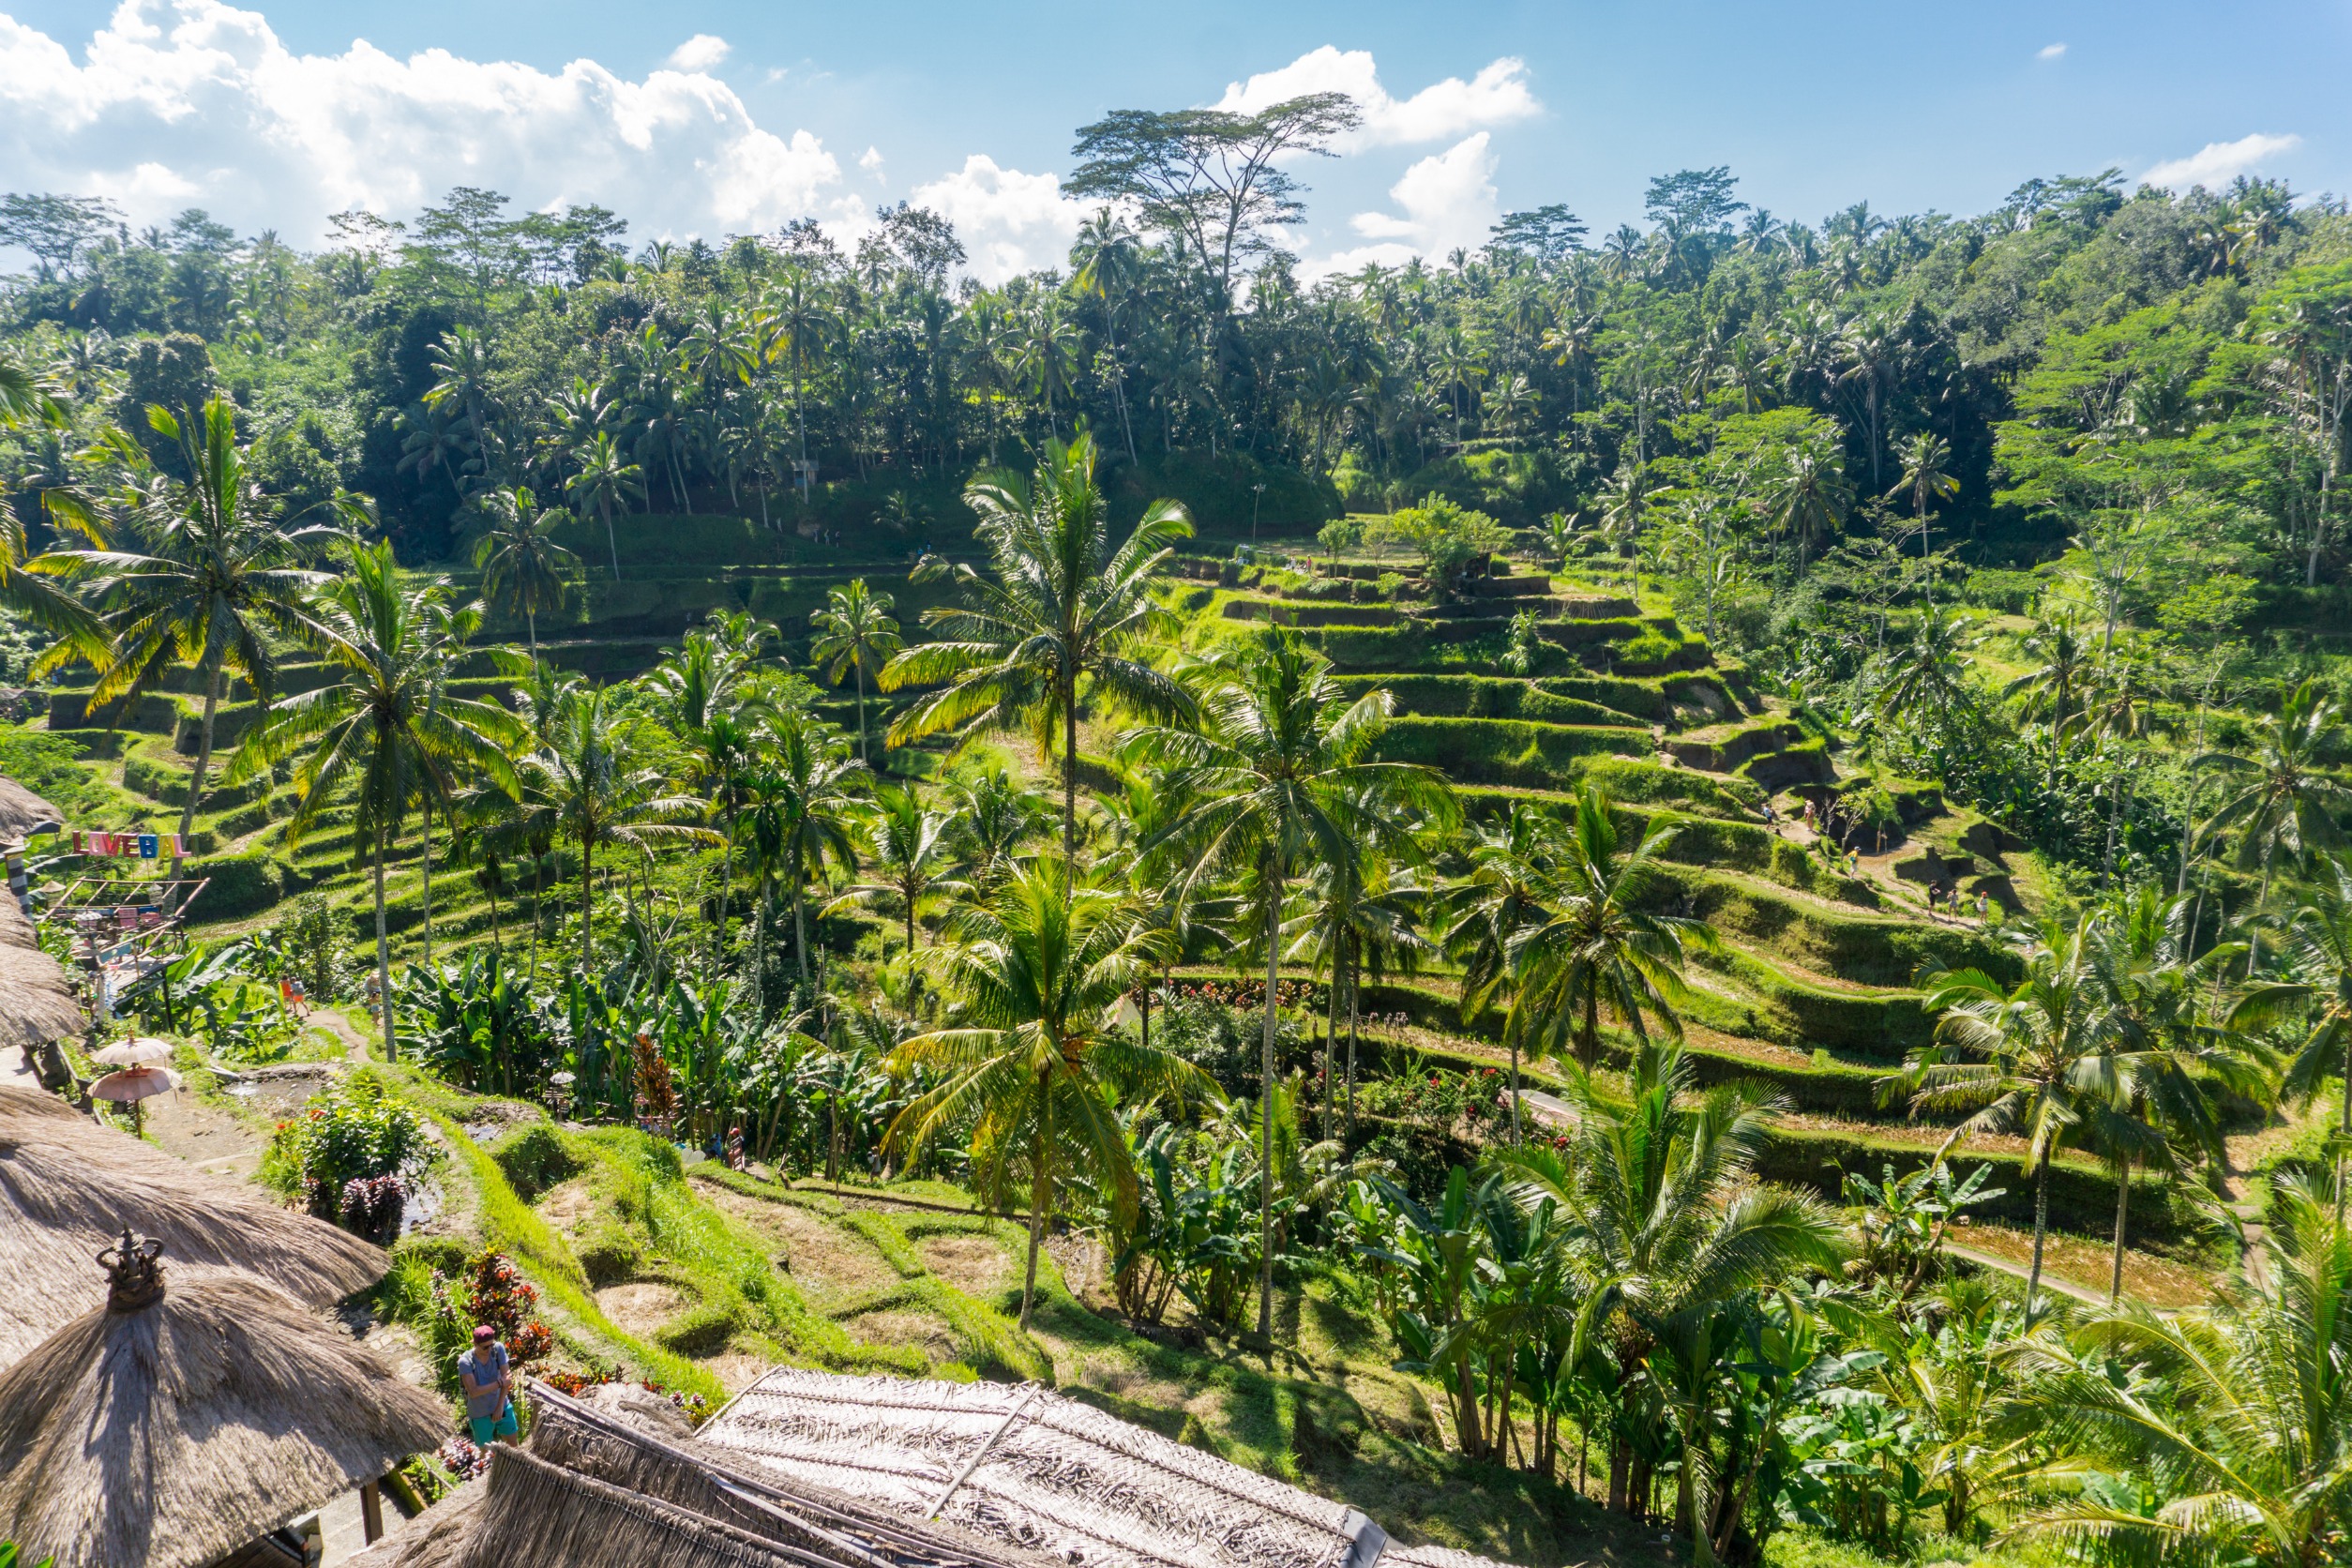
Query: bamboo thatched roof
[[21, 812], [36, 1005], [1031, 1468], [67, 1184], [172, 1425], [1435, 1557]]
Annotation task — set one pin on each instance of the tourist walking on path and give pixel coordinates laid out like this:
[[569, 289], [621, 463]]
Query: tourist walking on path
[[488, 1387]]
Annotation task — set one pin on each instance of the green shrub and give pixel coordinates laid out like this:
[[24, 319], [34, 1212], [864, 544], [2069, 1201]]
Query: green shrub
[[2004, 593], [167, 782], [701, 1330], [239, 884], [355, 1131], [50, 765]]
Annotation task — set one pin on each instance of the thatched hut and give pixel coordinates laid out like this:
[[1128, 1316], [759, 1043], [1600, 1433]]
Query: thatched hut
[[23, 813], [36, 1005], [67, 1186], [172, 1425], [1031, 1468]]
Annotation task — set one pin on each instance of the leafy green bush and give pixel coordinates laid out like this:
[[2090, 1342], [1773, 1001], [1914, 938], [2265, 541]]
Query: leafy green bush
[[240, 884], [1451, 541], [356, 1131], [50, 766]]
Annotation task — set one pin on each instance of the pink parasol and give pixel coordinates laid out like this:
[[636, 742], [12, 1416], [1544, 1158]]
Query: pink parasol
[[141, 1052]]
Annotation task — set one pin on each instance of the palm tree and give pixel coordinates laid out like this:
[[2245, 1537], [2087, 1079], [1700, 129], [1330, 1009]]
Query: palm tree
[[1360, 910], [2037, 1060], [1589, 945], [1281, 775], [1806, 493], [596, 800], [2237, 1413], [1034, 1065], [1491, 902], [909, 848], [519, 560], [384, 725], [606, 478], [218, 583], [1931, 671], [1923, 458], [793, 318], [2316, 954], [1063, 608], [2288, 803], [855, 632], [993, 816], [1664, 1221], [799, 809], [2061, 672]]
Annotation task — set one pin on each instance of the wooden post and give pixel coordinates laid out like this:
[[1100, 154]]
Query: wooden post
[[371, 1513]]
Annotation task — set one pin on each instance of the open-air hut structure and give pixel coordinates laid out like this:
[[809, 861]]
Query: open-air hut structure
[[23, 813], [177, 1424], [69, 1185]]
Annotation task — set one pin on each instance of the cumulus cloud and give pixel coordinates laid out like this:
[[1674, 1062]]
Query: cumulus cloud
[[1009, 222], [195, 103], [1448, 201], [700, 53], [2217, 163], [2050, 52], [1496, 95]]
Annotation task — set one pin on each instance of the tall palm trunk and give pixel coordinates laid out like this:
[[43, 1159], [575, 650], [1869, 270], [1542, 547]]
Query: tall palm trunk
[[2041, 1228], [587, 894], [1354, 1007], [859, 665], [2122, 1211], [1265, 1117], [429, 885], [204, 758], [612, 542], [800, 926], [1069, 772], [1040, 1193], [530, 628], [1331, 1046], [384, 955]]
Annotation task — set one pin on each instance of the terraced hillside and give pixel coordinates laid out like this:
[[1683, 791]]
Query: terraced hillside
[[1812, 986]]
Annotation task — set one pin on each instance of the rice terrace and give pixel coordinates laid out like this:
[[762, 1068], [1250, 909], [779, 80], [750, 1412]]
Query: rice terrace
[[1315, 826]]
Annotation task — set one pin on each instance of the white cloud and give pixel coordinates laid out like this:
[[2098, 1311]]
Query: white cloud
[[700, 53], [870, 160], [2217, 163], [1449, 200], [1009, 222], [195, 102], [1496, 95], [2050, 52]]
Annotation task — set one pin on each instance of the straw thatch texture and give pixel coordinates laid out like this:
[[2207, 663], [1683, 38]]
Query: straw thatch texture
[[1064, 1478], [15, 929], [22, 811], [1435, 1557], [434, 1539], [532, 1514], [171, 1434], [67, 1184], [35, 1003]]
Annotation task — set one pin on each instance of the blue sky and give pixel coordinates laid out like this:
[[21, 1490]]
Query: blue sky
[[713, 118]]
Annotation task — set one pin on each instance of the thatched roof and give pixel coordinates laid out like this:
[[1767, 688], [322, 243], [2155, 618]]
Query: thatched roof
[[1435, 1557], [67, 1184], [35, 1003], [21, 812], [170, 1430], [535, 1514], [1038, 1470]]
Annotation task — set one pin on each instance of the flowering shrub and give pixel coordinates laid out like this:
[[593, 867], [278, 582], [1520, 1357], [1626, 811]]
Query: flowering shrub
[[495, 1292], [354, 1131], [465, 1460], [1480, 1098], [371, 1206]]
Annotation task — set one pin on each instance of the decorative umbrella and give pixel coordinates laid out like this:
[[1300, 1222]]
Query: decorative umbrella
[[132, 1085], [172, 1426], [139, 1052]]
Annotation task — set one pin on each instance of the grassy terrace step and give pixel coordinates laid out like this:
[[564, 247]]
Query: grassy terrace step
[[1486, 696], [1829, 938], [1628, 780], [1507, 750], [1720, 748], [1766, 1002], [1631, 647]]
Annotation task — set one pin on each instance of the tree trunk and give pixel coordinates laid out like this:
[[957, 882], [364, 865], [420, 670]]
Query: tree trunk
[[383, 958], [203, 759], [1353, 1002], [2122, 1211], [2041, 1230], [1516, 1135], [859, 665], [800, 925], [587, 893], [1040, 1194], [1331, 1046], [428, 884], [612, 542], [1069, 775], [1265, 1120]]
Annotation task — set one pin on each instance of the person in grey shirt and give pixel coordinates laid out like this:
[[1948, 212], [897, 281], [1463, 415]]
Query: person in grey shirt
[[488, 1387]]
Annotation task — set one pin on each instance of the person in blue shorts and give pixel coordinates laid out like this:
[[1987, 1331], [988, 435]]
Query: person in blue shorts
[[488, 1387]]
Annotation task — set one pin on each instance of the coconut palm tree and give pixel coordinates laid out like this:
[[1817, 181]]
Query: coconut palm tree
[[855, 632], [607, 479], [1588, 945], [1034, 1063], [2037, 1060], [1062, 608], [910, 850], [1279, 776], [596, 800], [2061, 672], [1494, 899], [2238, 1414], [217, 586], [1923, 456], [992, 816], [2286, 804], [800, 811], [384, 726], [1663, 1221], [1358, 912], [2315, 960], [519, 559]]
